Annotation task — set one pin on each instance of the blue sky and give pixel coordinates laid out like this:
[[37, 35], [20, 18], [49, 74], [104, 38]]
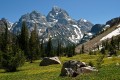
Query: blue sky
[[96, 11]]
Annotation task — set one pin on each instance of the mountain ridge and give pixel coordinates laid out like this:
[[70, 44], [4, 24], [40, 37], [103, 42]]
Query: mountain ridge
[[57, 24]]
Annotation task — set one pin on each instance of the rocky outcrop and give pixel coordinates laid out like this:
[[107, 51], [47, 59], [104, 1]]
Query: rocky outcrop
[[57, 24], [73, 68], [49, 61]]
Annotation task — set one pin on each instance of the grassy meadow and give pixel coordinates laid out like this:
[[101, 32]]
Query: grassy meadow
[[32, 71]]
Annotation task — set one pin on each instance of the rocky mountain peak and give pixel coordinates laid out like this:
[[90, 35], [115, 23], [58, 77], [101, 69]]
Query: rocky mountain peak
[[58, 25], [9, 24], [85, 25], [34, 16], [56, 9], [57, 14], [82, 20]]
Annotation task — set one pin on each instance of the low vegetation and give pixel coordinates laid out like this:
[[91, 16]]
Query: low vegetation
[[20, 57], [32, 71]]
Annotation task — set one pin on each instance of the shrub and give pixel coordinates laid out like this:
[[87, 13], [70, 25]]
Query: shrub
[[0, 59], [91, 64], [100, 61], [11, 61]]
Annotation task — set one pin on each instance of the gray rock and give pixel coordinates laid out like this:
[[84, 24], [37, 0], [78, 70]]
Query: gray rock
[[73, 68], [49, 61], [88, 69]]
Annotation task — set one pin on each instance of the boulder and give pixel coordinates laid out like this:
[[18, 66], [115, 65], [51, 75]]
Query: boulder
[[49, 61], [88, 69], [73, 68]]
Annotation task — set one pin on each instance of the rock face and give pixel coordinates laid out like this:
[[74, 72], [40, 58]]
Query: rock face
[[49, 61], [74, 68], [97, 28], [57, 24], [3, 26], [85, 25]]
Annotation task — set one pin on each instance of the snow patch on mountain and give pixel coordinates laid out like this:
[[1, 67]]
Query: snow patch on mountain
[[84, 20], [113, 33], [78, 35]]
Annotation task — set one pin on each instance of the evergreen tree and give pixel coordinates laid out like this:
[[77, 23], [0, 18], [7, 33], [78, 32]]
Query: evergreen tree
[[38, 55], [42, 49], [34, 45], [0, 59], [59, 52], [24, 40], [73, 49], [12, 57], [49, 48], [82, 49], [106, 44], [112, 42], [70, 50], [11, 60], [103, 51], [118, 44]]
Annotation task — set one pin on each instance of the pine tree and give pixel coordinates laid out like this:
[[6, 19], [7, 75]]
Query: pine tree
[[73, 49], [118, 40], [49, 48], [112, 42], [12, 57], [24, 40], [82, 49], [38, 55], [59, 52], [103, 51], [70, 50], [42, 49], [34, 45]]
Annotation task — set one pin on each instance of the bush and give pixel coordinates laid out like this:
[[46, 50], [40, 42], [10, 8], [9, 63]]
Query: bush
[[90, 64], [11, 61], [92, 52], [100, 61], [69, 55], [0, 59]]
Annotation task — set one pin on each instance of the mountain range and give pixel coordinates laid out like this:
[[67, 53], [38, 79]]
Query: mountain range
[[57, 25], [105, 32]]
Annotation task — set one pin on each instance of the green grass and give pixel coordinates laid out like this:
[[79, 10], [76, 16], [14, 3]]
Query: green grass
[[32, 71]]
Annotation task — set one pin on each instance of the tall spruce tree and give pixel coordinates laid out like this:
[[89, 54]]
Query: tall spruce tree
[[82, 49], [118, 44], [24, 39], [42, 49], [34, 45], [49, 48], [12, 56], [59, 52]]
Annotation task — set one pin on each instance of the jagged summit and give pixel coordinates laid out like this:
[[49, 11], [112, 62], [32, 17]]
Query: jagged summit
[[56, 9], [85, 25], [4, 20], [34, 16], [82, 20], [57, 14], [57, 24]]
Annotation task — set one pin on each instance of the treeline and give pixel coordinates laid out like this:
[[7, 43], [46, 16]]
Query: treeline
[[112, 46], [15, 49], [108, 47]]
